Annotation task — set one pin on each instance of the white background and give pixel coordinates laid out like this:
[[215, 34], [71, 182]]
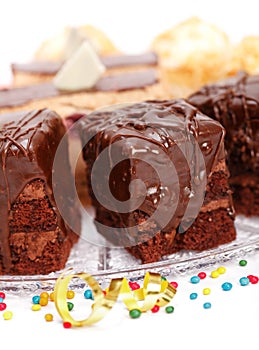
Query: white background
[[131, 25], [233, 321]]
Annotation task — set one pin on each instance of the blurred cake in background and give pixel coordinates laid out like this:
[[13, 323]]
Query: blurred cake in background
[[194, 52]]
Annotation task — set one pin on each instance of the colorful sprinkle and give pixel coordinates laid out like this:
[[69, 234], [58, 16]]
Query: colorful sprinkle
[[193, 296], [226, 286], [207, 305], [242, 262], [206, 291], [253, 279], [43, 301], [88, 294], [36, 299], [70, 294], [8, 315], [214, 274], [195, 279], [2, 306], [244, 281], [135, 285], [44, 295], [169, 309], [36, 307], [202, 275], [70, 306], [155, 308], [52, 296], [48, 317], [2, 295], [221, 270], [174, 284], [67, 325], [135, 313]]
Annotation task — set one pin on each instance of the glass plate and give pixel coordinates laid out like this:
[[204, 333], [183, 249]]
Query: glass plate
[[105, 263]]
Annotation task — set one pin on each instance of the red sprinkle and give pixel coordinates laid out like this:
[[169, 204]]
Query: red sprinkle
[[2, 306], [174, 284], [104, 292], [155, 308], [202, 275], [2, 295], [253, 279], [67, 325], [134, 285]]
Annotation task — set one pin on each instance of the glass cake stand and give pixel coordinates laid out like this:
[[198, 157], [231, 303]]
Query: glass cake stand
[[105, 263]]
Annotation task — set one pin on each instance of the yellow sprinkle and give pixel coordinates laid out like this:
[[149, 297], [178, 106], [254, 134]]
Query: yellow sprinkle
[[214, 274], [51, 296], [44, 295], [206, 291], [7, 315], [43, 301], [70, 294], [36, 307], [48, 317], [221, 270]]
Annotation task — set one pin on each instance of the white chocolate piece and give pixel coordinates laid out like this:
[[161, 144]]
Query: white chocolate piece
[[81, 71]]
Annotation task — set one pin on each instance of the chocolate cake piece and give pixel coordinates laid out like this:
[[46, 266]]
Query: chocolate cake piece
[[157, 178], [235, 104], [36, 233]]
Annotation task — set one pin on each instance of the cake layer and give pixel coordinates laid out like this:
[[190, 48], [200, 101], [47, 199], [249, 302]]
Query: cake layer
[[235, 104], [37, 233], [152, 169]]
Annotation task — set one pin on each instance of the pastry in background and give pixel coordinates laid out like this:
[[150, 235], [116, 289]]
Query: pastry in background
[[193, 53], [61, 46], [246, 55]]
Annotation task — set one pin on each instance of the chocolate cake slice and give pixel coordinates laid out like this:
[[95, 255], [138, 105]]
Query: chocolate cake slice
[[235, 104], [35, 238], [157, 178]]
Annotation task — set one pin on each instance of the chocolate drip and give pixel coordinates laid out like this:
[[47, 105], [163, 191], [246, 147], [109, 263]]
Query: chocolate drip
[[117, 82], [157, 130], [113, 61], [28, 142], [235, 103]]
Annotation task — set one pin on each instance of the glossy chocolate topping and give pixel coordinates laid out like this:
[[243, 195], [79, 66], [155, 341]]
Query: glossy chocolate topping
[[28, 142], [235, 103], [113, 61], [117, 82], [169, 145]]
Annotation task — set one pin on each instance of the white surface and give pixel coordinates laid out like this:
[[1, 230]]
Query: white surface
[[232, 322]]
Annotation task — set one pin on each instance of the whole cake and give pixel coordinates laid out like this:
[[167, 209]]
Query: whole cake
[[235, 104], [157, 178], [34, 237]]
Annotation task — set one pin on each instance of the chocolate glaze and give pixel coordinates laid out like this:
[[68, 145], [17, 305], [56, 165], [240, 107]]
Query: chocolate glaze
[[28, 142], [160, 132], [112, 61], [118, 82], [235, 103]]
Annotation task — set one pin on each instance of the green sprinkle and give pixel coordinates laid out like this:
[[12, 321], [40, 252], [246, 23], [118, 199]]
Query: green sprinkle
[[242, 262], [169, 309], [135, 313], [70, 306]]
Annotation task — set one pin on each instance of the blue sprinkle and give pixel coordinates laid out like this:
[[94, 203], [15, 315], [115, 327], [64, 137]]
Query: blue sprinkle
[[1, 300], [207, 305], [193, 296], [226, 286], [88, 294], [244, 281], [195, 279], [36, 299]]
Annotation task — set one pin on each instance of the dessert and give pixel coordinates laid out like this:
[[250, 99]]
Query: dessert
[[194, 52], [157, 178], [42, 71], [35, 238], [235, 103]]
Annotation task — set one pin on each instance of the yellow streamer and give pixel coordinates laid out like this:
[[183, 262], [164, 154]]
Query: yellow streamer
[[155, 291]]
